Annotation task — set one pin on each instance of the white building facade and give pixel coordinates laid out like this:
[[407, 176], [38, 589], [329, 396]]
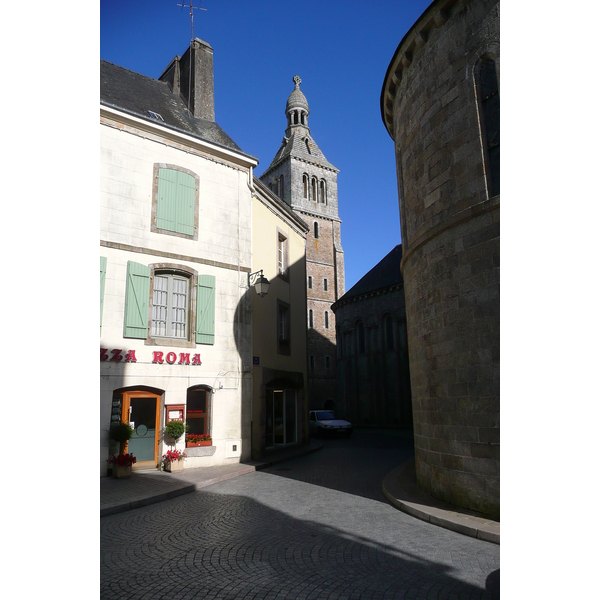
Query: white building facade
[[175, 253]]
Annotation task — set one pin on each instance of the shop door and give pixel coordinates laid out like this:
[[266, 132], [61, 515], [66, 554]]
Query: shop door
[[141, 410], [281, 417]]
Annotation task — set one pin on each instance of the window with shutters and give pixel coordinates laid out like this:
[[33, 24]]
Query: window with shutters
[[169, 305], [175, 196]]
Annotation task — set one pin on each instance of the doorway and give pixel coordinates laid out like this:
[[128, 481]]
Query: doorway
[[281, 425], [141, 410]]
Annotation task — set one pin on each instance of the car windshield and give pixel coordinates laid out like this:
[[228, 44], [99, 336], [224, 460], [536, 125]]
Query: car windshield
[[325, 415]]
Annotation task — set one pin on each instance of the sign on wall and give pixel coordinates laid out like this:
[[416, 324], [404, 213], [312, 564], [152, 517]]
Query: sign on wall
[[159, 357]]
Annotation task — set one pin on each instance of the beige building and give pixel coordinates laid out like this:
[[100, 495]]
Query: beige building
[[279, 370]]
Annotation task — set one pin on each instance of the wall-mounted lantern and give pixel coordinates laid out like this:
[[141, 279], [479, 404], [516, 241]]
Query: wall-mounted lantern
[[260, 283]]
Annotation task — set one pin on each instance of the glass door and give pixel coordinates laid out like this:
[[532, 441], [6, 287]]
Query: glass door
[[141, 410], [281, 417]]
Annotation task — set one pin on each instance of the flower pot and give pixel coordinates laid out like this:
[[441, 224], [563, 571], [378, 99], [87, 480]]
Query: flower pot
[[196, 444], [174, 466], [121, 472]]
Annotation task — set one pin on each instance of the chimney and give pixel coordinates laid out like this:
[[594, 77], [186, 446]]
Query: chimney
[[202, 100]]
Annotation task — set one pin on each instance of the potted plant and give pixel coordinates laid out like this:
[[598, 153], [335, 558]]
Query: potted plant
[[174, 430], [121, 465], [120, 432], [192, 440], [173, 460]]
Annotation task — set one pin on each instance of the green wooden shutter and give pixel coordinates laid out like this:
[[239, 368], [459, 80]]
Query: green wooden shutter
[[176, 200], [137, 293], [205, 310], [102, 281]]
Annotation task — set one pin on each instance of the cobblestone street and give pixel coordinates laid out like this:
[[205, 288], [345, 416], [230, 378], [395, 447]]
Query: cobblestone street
[[313, 527]]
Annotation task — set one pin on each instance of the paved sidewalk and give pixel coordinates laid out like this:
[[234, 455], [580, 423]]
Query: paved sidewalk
[[401, 489], [148, 487]]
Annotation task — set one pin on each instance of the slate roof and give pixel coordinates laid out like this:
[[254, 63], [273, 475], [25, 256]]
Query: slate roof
[[295, 145], [137, 94], [386, 273]]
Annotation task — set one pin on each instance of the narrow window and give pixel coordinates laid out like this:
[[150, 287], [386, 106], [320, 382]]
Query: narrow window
[[326, 319], [283, 327], [323, 195], [490, 108], [325, 284], [314, 189], [311, 362], [310, 282], [316, 231], [305, 185], [389, 333], [310, 319], [282, 249], [360, 331], [327, 362]]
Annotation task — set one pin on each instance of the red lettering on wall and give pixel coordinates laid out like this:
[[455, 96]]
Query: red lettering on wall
[[103, 354], [184, 359], [196, 360], [116, 355], [171, 357], [157, 357], [130, 356]]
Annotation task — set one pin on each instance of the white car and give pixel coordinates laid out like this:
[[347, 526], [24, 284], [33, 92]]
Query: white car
[[323, 422]]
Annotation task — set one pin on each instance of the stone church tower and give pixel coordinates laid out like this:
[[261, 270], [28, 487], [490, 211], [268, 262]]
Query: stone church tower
[[302, 176]]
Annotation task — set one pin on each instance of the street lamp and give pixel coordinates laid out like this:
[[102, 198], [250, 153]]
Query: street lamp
[[260, 282]]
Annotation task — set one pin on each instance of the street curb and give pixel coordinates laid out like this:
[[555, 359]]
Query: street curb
[[423, 506]]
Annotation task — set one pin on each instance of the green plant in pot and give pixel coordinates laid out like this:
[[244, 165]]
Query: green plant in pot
[[121, 433], [174, 430]]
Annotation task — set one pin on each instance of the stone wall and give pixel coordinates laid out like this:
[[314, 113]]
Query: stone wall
[[451, 240]]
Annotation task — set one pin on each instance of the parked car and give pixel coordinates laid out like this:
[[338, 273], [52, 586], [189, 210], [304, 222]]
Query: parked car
[[323, 422]]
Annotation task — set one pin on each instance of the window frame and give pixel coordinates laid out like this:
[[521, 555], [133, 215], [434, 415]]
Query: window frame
[[155, 188], [157, 269], [282, 255], [284, 341]]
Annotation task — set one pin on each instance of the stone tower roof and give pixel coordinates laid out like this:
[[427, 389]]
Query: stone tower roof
[[298, 142], [297, 99]]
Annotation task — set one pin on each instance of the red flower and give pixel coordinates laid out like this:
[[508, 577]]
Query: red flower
[[122, 460]]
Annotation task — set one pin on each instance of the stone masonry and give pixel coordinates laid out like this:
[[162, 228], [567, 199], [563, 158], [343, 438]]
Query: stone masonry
[[432, 106]]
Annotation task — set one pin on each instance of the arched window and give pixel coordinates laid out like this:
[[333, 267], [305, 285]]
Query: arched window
[[316, 231], [314, 189], [323, 192], [198, 410], [489, 98], [305, 185]]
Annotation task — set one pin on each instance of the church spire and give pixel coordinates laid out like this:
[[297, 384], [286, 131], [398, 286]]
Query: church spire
[[296, 110]]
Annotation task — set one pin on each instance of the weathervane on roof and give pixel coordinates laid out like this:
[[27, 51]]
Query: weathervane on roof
[[192, 7]]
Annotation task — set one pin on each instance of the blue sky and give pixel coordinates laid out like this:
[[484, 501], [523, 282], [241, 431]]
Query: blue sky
[[341, 51]]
